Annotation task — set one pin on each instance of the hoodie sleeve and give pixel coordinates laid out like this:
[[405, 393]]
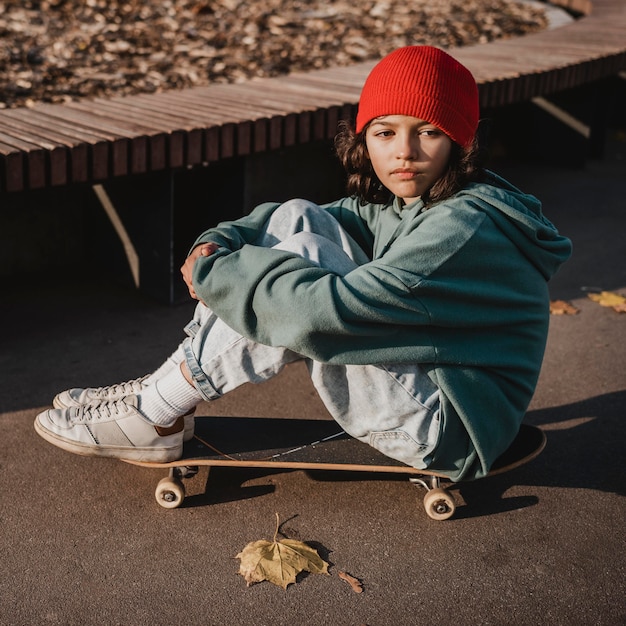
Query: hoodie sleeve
[[231, 236], [277, 298], [370, 315]]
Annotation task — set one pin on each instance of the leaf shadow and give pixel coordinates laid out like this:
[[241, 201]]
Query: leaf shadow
[[291, 532]]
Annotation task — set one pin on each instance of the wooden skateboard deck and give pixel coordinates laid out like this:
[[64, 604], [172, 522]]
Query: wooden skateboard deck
[[304, 444]]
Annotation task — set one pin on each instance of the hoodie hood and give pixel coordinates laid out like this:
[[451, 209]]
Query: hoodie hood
[[519, 216]]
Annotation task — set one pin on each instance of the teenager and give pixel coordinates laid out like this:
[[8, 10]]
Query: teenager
[[419, 302]]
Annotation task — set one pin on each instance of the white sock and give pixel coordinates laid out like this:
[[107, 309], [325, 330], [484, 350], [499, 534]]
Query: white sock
[[173, 361], [168, 398]]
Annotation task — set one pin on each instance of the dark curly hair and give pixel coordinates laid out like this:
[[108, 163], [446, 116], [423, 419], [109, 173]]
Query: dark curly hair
[[465, 165]]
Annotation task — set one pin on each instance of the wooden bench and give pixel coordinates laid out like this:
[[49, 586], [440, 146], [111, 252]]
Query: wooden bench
[[96, 140], [102, 141]]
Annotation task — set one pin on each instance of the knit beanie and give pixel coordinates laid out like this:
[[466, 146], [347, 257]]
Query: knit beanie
[[423, 82]]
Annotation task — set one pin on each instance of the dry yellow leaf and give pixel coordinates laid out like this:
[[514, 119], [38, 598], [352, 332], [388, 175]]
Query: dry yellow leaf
[[561, 307], [610, 299], [279, 562], [355, 583]]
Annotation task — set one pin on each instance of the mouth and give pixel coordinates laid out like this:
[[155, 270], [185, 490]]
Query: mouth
[[405, 173]]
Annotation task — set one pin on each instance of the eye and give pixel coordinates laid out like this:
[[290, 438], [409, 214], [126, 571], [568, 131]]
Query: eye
[[430, 132], [384, 133]]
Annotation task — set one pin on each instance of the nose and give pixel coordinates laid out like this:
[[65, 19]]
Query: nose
[[406, 147]]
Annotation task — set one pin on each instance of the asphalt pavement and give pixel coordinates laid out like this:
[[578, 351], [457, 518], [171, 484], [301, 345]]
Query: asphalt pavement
[[82, 540]]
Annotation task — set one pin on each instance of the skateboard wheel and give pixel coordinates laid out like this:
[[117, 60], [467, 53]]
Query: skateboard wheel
[[439, 504], [170, 493]]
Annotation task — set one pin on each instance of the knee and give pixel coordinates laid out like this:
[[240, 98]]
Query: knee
[[304, 244], [299, 212], [298, 205]]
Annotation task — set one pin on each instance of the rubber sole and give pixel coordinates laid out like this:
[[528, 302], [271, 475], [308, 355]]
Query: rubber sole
[[153, 455]]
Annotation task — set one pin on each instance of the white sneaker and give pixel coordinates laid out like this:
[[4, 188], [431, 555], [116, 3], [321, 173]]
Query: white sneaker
[[111, 429], [78, 396]]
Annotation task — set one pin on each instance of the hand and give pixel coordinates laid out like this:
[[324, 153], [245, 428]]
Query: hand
[[204, 249]]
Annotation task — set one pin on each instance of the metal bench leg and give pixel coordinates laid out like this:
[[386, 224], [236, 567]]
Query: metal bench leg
[[141, 212]]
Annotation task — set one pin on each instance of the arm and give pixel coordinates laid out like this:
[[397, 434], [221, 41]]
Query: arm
[[234, 235], [228, 237], [225, 237], [371, 315], [278, 298]]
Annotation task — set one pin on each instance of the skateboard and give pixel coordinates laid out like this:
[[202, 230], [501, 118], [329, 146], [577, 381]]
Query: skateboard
[[305, 444]]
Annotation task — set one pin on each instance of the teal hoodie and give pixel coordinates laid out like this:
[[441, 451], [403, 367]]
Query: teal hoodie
[[460, 288]]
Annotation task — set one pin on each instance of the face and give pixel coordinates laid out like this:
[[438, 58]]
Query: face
[[408, 154]]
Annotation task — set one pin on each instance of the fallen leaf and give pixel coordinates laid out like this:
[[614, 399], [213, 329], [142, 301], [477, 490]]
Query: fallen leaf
[[355, 583], [561, 307], [278, 562], [609, 299]]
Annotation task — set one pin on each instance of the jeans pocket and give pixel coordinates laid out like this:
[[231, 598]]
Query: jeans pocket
[[399, 445]]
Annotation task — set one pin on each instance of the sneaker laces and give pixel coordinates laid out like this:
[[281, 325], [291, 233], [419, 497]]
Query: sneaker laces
[[103, 411], [127, 388]]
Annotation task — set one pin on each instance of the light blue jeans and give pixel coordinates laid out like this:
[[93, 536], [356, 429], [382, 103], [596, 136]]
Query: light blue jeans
[[394, 408]]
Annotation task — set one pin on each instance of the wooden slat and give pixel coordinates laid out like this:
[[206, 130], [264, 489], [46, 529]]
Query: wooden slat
[[51, 144], [11, 168], [33, 165]]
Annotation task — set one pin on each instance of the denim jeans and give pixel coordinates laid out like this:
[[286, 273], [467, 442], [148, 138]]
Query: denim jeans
[[394, 407]]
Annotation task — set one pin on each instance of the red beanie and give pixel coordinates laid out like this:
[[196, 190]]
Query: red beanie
[[423, 82]]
